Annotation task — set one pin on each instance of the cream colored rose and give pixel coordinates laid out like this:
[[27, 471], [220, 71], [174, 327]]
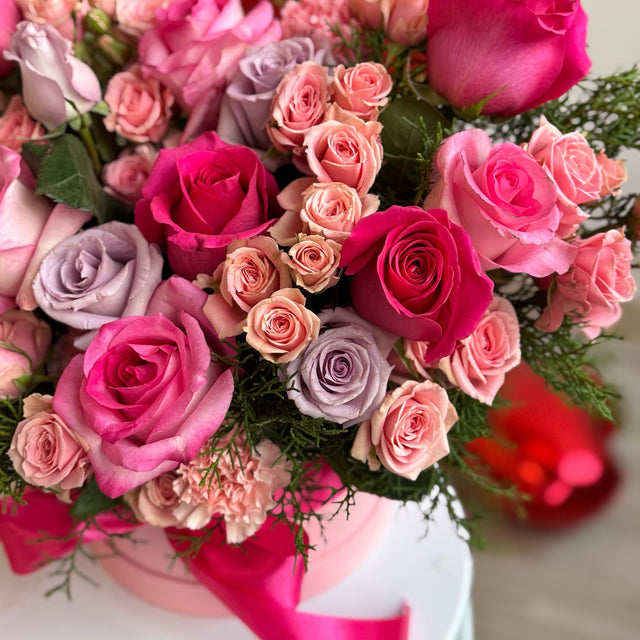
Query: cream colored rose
[[155, 500]]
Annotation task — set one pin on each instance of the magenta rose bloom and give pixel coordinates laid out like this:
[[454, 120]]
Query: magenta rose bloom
[[200, 197], [526, 52], [145, 396], [416, 274]]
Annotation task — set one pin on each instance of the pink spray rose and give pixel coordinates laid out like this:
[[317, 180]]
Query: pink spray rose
[[9, 18], [125, 177], [200, 197], [17, 126], [24, 341], [140, 108], [409, 431], [44, 451], [592, 290], [416, 274], [504, 200], [155, 500], [57, 13], [614, 174], [146, 396], [479, 363], [52, 78], [361, 89], [137, 16], [314, 262], [517, 54], [404, 21]]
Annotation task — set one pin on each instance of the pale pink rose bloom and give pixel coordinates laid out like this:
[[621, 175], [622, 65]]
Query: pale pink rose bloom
[[614, 174], [592, 290], [137, 16], [300, 102], [329, 209], [280, 327], [252, 271], [408, 431], [24, 341], [361, 89], [479, 363], [108, 6], [45, 452], [241, 491], [314, 262], [405, 21], [415, 351], [155, 500], [140, 108], [367, 12], [347, 151], [57, 13], [17, 126], [125, 177]]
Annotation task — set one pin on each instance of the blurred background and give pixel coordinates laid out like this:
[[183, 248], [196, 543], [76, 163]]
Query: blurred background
[[581, 582]]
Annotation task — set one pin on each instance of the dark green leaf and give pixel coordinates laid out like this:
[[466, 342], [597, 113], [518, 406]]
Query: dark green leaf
[[91, 502]]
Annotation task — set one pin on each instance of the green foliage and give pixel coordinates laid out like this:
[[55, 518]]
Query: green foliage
[[91, 502], [11, 484]]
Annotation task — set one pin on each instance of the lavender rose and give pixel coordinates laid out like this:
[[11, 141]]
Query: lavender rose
[[98, 275], [343, 375]]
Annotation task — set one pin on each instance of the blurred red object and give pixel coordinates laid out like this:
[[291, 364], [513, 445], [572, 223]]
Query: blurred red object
[[558, 454]]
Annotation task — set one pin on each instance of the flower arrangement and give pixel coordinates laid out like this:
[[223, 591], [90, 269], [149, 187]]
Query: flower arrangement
[[245, 245]]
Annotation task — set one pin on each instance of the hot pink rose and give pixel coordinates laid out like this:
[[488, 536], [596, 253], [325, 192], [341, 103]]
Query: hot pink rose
[[361, 89], [125, 177], [137, 16], [314, 262], [300, 102], [17, 126], [24, 341], [517, 54], [252, 271], [504, 200], [408, 431], [347, 151], [146, 396], [416, 274], [200, 197], [140, 108], [9, 18], [592, 290], [280, 327], [614, 174], [479, 363], [44, 451]]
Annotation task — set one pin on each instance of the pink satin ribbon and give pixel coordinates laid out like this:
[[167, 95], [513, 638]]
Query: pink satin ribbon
[[259, 582]]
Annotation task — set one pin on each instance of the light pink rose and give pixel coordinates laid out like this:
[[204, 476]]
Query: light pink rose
[[329, 209], [44, 451], [347, 151], [17, 126], [252, 271], [361, 89], [9, 18], [592, 290], [154, 501], [108, 6], [140, 108], [405, 21], [241, 489], [367, 12], [504, 200], [314, 262], [125, 177], [57, 13], [614, 174], [479, 363], [280, 327], [137, 16], [300, 102], [408, 431], [24, 341]]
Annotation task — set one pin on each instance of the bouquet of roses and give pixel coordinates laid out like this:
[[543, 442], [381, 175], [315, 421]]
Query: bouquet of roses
[[245, 245]]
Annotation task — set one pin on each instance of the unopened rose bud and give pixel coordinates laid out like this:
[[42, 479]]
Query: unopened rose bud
[[97, 21], [114, 50]]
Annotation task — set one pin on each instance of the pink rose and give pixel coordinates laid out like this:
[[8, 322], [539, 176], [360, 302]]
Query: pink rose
[[137, 16], [592, 290], [200, 197], [479, 363], [408, 431], [314, 262], [300, 102], [140, 108], [24, 341], [361, 89], [57, 13], [416, 274], [348, 151], [614, 174], [329, 209], [504, 200], [405, 21], [517, 54], [44, 451], [125, 177], [146, 396], [252, 271], [17, 126], [9, 18], [367, 12], [280, 327], [155, 500]]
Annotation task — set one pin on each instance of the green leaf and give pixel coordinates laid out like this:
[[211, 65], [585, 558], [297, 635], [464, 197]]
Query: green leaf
[[66, 175], [475, 110], [91, 502]]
